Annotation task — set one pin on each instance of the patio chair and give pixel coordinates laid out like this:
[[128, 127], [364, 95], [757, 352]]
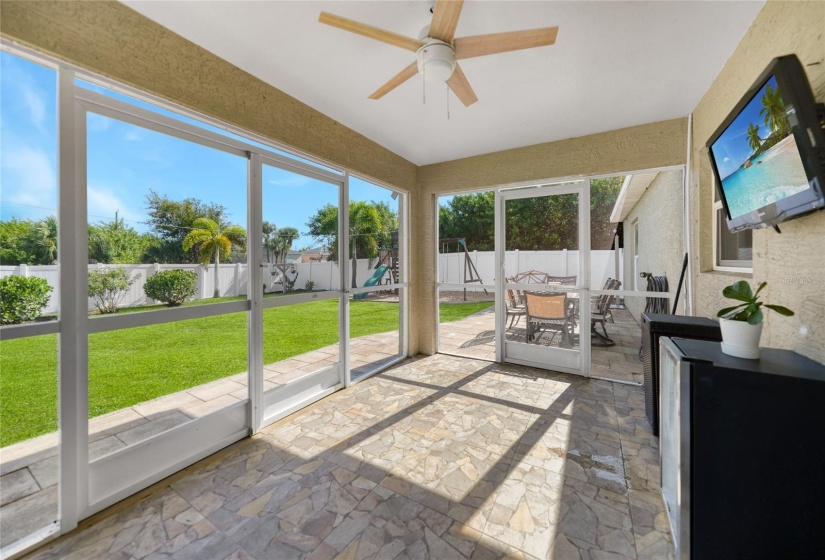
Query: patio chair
[[547, 311], [563, 280], [599, 314], [531, 277], [515, 307]]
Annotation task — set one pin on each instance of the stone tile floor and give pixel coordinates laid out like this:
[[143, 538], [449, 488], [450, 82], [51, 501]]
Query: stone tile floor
[[475, 337], [438, 457], [29, 469]]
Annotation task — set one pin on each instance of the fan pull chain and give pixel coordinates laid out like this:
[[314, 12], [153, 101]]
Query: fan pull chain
[[448, 102]]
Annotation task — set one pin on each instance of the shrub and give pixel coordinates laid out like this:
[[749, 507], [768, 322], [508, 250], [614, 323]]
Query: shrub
[[289, 285], [108, 286], [22, 298], [172, 287], [309, 285]]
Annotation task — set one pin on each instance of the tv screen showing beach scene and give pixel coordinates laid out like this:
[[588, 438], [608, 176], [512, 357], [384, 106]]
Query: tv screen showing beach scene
[[756, 157]]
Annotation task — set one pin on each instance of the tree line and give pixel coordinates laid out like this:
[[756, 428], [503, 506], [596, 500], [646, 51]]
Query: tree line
[[34, 242], [548, 223], [190, 231]]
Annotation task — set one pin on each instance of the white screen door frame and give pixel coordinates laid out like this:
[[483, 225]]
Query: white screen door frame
[[575, 361]]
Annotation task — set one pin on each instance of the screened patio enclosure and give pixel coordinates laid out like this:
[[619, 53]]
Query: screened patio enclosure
[[121, 400], [562, 290]]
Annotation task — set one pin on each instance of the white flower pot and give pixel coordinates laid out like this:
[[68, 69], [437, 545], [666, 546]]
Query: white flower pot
[[740, 338]]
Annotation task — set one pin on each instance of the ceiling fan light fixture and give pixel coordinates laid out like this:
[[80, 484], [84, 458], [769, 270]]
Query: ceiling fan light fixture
[[436, 60]]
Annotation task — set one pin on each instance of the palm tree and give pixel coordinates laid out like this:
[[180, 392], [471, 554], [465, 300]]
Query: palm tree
[[754, 141], [283, 242], [269, 230], [215, 242], [365, 229], [773, 108], [364, 225], [46, 240]]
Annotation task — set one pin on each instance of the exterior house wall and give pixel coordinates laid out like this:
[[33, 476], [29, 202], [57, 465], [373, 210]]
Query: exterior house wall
[[792, 263], [648, 146], [661, 231]]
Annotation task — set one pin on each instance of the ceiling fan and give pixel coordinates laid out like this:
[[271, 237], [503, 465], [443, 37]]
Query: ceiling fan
[[437, 53]]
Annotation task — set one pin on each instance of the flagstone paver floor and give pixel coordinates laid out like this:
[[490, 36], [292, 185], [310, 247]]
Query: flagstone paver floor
[[439, 457], [29, 469], [475, 337]]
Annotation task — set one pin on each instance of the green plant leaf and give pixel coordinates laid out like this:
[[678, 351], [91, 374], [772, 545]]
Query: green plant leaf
[[759, 289], [781, 310], [740, 291], [729, 311], [755, 317]]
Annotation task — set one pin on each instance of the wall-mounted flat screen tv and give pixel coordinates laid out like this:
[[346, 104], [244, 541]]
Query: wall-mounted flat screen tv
[[768, 156]]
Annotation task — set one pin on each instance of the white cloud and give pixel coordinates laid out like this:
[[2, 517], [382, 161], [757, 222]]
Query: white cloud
[[103, 203], [35, 104], [290, 180], [132, 136], [98, 123], [726, 159], [28, 177], [26, 96]]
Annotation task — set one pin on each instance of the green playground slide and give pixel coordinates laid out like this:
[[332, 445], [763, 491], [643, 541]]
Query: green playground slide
[[376, 278]]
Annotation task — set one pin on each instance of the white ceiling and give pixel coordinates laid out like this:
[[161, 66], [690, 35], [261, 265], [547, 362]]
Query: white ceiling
[[615, 64]]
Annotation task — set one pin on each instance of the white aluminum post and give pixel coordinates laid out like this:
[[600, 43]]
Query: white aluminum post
[[686, 174], [500, 312], [403, 264], [254, 291], [440, 274], [584, 278], [343, 275], [73, 338]]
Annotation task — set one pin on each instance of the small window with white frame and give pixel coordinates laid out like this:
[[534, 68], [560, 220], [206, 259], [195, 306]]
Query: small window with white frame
[[732, 252]]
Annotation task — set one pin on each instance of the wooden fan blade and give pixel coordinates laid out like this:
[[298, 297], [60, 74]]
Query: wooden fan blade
[[445, 19], [461, 87], [369, 31], [479, 45], [396, 81]]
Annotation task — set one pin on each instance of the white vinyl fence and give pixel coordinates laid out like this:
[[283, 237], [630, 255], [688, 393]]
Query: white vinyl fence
[[233, 279], [325, 275], [554, 263]]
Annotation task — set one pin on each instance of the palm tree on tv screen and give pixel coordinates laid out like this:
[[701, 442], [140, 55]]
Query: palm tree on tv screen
[[773, 109], [754, 141]]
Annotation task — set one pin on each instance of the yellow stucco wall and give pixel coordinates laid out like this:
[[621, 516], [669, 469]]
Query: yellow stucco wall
[[792, 263], [648, 146]]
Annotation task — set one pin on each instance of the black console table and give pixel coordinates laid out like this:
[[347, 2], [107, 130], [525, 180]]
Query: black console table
[[654, 326], [742, 453]]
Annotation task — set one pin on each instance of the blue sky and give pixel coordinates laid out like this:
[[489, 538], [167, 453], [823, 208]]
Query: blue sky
[[732, 148], [126, 161]]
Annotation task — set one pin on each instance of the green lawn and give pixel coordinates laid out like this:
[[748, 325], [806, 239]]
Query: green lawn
[[130, 366]]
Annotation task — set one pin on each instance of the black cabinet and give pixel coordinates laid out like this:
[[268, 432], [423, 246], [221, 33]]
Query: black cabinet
[[655, 326], [749, 472]]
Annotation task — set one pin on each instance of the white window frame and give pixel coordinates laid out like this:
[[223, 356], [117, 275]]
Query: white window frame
[[717, 239]]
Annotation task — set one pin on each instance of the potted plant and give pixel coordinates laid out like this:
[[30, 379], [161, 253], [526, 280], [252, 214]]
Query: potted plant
[[741, 324]]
